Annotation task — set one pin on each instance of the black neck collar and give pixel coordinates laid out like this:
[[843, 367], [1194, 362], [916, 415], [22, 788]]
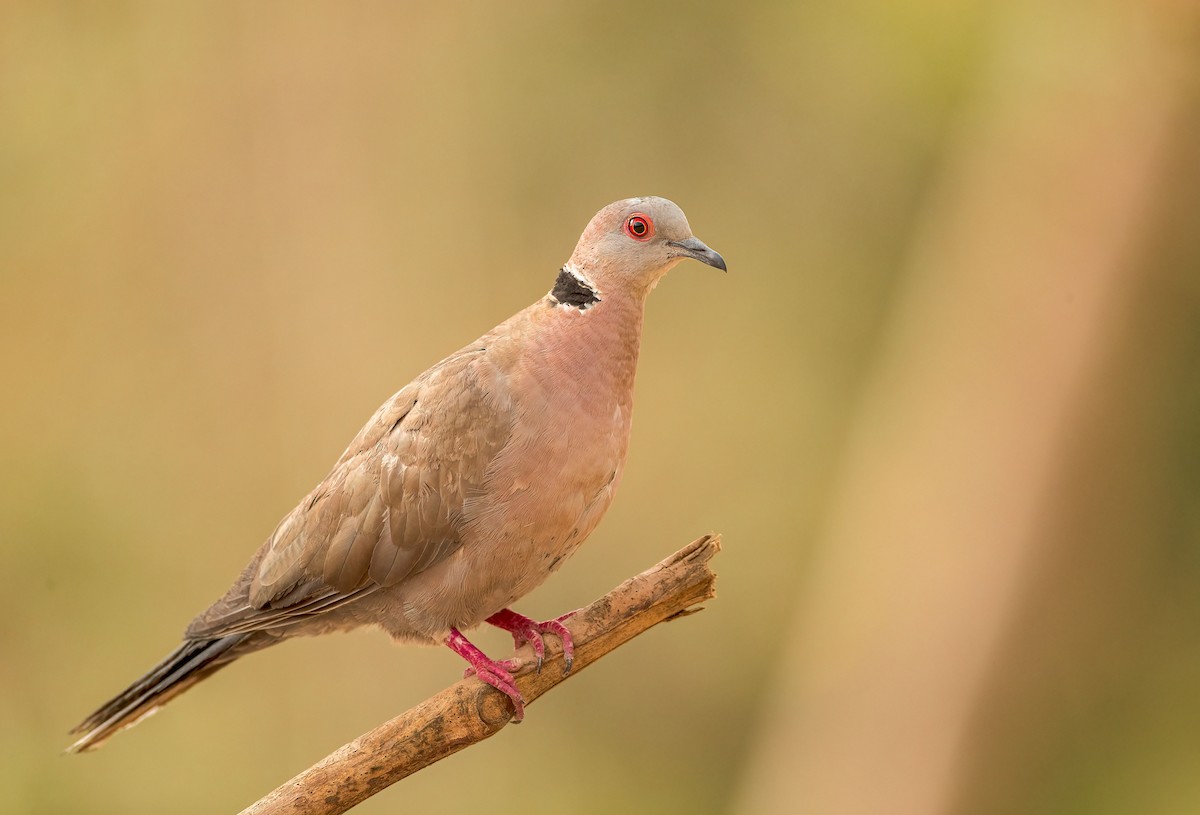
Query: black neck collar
[[569, 290]]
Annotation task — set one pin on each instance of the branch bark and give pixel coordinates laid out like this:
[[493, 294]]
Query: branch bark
[[470, 711]]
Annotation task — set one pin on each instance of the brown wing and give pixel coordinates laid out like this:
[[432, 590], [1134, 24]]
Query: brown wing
[[393, 505]]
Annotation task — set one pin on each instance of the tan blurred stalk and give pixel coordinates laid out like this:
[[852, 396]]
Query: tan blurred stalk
[[1013, 291]]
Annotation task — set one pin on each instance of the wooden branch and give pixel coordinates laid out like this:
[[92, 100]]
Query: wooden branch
[[470, 711]]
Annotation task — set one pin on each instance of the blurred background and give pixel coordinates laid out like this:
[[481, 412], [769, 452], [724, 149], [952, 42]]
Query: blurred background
[[945, 407]]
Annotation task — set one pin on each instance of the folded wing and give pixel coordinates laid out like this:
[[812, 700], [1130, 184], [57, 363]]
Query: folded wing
[[395, 503]]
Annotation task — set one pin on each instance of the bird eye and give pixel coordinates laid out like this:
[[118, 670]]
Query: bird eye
[[639, 227]]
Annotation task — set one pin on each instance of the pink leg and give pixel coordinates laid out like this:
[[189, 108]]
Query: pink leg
[[525, 630], [490, 671]]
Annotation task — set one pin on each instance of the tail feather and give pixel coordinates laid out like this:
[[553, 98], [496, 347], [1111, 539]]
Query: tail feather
[[185, 666]]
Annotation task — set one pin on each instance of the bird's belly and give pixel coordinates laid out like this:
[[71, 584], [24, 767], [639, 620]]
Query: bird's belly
[[537, 511]]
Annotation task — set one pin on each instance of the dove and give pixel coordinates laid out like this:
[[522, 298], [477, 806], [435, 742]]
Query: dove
[[464, 491]]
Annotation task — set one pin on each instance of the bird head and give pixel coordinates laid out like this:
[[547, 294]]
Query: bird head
[[631, 244]]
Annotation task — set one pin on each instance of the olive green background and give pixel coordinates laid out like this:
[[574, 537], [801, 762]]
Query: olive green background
[[229, 230]]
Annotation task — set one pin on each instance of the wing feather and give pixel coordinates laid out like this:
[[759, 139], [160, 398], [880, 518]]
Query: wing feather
[[395, 503]]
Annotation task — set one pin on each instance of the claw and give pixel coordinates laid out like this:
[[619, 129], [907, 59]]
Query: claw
[[510, 665], [493, 672], [525, 630], [567, 642], [499, 673]]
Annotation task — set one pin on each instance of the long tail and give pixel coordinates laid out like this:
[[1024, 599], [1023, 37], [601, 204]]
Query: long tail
[[186, 665]]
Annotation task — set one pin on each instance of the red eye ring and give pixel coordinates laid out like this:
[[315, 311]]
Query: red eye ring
[[639, 227]]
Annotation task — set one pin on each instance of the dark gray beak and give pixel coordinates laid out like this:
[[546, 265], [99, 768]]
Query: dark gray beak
[[695, 248]]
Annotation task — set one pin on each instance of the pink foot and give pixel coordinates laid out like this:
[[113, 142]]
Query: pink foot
[[525, 630], [497, 674]]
